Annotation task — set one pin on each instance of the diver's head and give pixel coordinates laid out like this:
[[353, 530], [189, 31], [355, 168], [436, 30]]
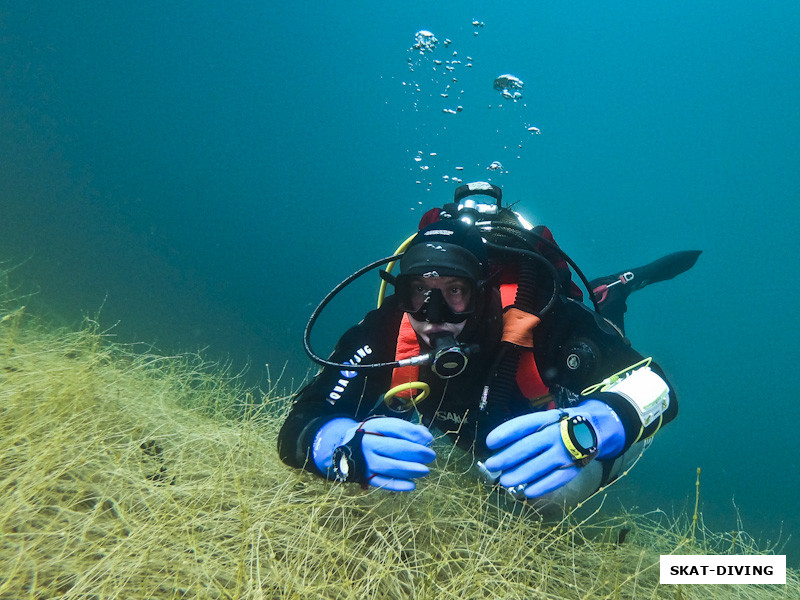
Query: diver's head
[[442, 277]]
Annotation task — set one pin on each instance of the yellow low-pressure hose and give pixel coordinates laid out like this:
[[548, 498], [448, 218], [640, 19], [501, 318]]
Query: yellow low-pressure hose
[[390, 266]]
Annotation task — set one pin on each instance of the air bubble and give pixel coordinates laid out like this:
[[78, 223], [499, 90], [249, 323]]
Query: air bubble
[[425, 41], [509, 86]]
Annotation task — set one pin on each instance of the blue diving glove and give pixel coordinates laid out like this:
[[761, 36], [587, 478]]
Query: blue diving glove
[[542, 451], [384, 452]]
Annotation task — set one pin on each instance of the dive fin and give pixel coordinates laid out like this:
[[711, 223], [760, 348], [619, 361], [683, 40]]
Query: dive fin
[[612, 291], [630, 280], [663, 268]]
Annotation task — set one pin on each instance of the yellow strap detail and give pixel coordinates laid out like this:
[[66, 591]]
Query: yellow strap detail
[[424, 388], [606, 383], [576, 454], [641, 429]]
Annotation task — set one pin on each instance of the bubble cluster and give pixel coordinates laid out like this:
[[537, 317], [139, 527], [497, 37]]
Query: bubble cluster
[[444, 90], [509, 86], [436, 71], [452, 179], [425, 41]]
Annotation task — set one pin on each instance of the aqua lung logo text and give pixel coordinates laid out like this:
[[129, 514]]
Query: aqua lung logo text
[[340, 386]]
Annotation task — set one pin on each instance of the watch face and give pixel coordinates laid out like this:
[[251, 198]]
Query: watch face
[[579, 439], [584, 435], [342, 465]]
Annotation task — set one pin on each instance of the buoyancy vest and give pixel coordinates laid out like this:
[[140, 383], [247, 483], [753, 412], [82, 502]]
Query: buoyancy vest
[[407, 346]]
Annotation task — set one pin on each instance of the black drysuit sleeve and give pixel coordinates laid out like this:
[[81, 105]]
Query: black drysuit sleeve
[[578, 335], [336, 392]]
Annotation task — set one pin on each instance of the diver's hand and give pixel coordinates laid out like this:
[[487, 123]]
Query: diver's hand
[[383, 452], [532, 454]]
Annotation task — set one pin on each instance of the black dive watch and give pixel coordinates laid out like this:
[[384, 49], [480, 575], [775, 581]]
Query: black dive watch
[[348, 460], [579, 438]]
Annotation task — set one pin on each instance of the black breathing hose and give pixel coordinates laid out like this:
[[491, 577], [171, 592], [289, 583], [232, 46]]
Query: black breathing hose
[[520, 234], [530, 283], [503, 373], [325, 301]]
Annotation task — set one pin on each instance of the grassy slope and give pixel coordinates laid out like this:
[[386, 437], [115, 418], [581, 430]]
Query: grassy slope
[[126, 475]]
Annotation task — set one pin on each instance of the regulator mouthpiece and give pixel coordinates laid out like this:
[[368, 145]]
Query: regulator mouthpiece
[[449, 357]]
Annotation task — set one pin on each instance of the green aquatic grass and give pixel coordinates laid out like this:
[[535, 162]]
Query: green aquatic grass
[[125, 474]]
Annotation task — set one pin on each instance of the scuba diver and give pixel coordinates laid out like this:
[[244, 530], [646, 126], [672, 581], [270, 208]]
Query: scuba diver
[[486, 339]]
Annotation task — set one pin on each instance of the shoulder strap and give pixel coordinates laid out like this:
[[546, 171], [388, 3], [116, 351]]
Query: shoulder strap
[[518, 327], [407, 346]]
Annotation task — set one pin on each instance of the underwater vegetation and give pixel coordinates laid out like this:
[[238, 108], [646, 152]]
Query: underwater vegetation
[[126, 474]]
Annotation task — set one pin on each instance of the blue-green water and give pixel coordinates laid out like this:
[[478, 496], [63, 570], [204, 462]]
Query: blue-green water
[[205, 173]]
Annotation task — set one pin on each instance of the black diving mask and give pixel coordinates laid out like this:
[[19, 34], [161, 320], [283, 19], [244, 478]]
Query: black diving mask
[[430, 304]]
